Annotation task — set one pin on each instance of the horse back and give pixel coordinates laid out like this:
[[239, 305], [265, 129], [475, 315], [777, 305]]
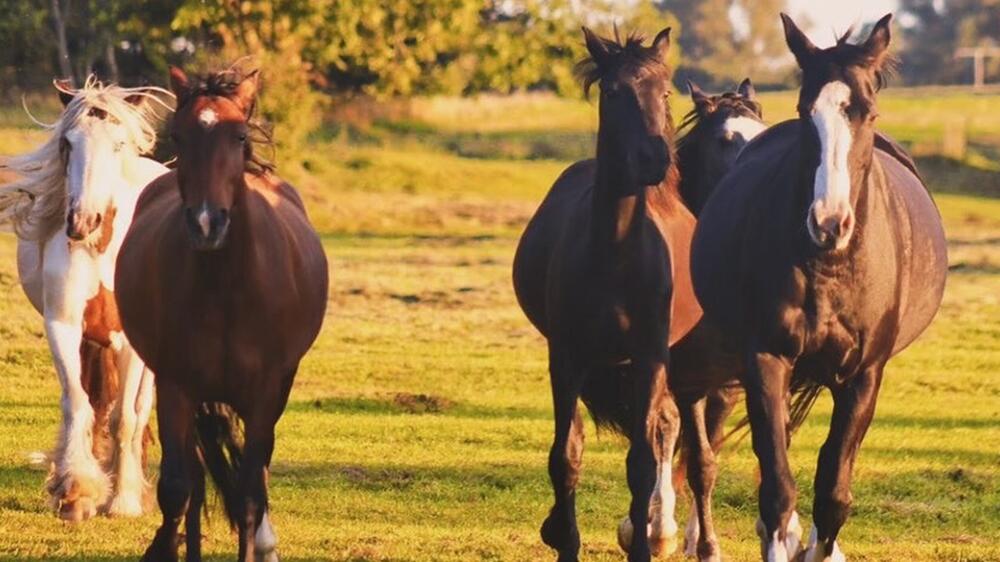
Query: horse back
[[924, 251]]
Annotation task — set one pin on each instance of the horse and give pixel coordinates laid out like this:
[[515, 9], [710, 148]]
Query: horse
[[70, 206], [822, 254], [601, 272], [222, 288], [705, 370]]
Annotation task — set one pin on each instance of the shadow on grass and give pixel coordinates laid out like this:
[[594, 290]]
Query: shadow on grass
[[948, 175], [414, 404]]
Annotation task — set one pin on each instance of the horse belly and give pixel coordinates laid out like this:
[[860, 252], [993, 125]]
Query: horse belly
[[925, 252]]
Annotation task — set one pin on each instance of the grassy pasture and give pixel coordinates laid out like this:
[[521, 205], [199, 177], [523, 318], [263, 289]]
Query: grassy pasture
[[420, 423]]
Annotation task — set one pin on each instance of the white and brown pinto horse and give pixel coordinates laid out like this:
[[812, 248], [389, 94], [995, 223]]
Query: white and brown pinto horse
[[822, 255], [71, 207]]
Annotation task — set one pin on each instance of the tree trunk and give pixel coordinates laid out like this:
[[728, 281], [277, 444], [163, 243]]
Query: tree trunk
[[109, 59], [59, 23]]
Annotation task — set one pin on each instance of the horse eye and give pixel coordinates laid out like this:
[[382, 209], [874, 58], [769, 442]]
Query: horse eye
[[243, 137], [64, 145]]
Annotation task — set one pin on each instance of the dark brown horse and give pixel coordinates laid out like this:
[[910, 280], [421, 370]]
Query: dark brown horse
[[601, 271], [822, 255], [705, 367], [222, 285]]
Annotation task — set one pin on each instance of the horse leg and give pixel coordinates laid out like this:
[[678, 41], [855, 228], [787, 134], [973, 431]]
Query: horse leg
[[175, 413], [701, 474], [559, 529], [192, 520], [653, 410], [77, 483], [257, 540], [766, 383], [143, 409], [663, 526], [130, 482], [853, 408]]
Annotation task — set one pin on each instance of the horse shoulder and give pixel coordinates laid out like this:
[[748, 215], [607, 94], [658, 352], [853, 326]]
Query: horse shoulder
[[676, 225]]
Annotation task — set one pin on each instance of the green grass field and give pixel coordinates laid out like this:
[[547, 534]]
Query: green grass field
[[420, 422]]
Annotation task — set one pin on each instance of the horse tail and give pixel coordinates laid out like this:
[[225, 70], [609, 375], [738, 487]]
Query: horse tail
[[604, 395], [804, 392], [220, 442], [100, 379]]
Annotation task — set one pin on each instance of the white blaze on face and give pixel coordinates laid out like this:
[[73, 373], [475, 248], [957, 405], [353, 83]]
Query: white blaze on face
[[744, 127], [832, 190], [208, 118], [204, 220]]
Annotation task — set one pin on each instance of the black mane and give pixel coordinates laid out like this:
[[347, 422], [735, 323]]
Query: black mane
[[224, 84], [627, 51]]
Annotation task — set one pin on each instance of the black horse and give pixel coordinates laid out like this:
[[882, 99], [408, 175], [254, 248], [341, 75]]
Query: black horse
[[822, 255], [602, 271]]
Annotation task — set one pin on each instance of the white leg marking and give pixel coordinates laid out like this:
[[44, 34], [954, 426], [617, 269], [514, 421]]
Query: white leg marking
[[793, 535], [776, 551], [130, 482], [832, 190], [814, 551], [691, 533], [265, 542]]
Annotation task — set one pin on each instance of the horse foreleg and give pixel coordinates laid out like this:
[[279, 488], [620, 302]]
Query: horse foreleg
[[257, 539], [701, 474], [559, 530], [178, 466], [766, 381], [853, 408], [77, 483], [662, 524], [130, 481], [192, 520], [654, 411]]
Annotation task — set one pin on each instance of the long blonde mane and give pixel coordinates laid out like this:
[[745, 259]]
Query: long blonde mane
[[35, 203]]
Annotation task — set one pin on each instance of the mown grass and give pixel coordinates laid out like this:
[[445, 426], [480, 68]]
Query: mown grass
[[420, 422]]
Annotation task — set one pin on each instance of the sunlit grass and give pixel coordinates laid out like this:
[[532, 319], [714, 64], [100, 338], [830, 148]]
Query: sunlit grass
[[419, 425]]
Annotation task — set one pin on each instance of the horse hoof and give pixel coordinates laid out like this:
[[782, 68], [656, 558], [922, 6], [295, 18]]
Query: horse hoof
[[78, 510], [663, 546], [270, 556], [625, 532]]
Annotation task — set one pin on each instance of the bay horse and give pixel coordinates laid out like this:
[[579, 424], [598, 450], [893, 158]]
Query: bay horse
[[70, 207], [222, 287], [601, 271], [822, 255]]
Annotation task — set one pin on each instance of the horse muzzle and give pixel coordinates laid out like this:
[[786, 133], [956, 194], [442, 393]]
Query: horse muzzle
[[830, 230], [79, 226], [207, 227]]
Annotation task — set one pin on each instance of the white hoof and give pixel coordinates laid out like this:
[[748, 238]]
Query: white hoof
[[793, 536], [658, 546], [814, 552]]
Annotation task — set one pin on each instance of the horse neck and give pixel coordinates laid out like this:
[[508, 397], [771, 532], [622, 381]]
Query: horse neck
[[619, 211], [690, 185]]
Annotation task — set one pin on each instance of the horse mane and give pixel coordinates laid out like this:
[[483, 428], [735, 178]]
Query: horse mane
[[850, 54], [35, 203], [728, 100], [224, 83], [627, 50]]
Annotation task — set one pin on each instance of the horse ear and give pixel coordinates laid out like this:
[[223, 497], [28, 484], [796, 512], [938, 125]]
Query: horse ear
[[178, 82], [747, 90], [596, 46], [661, 44], [246, 92], [65, 88], [877, 44], [697, 95], [798, 43]]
